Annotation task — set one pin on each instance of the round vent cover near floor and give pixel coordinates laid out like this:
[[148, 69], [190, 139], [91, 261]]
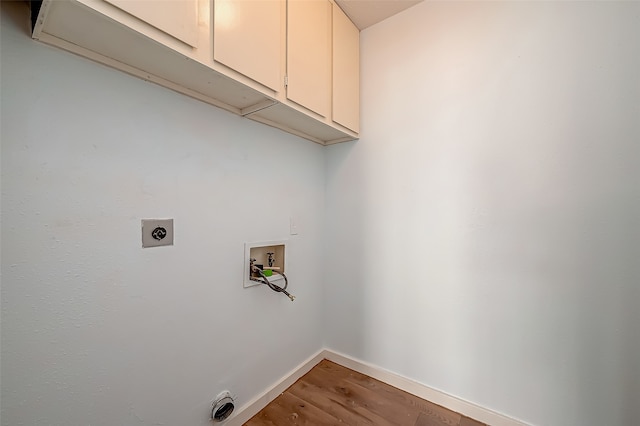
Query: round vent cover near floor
[[222, 406]]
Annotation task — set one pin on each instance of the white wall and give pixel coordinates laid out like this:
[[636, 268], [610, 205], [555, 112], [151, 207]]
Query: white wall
[[97, 330], [484, 233], [482, 237]]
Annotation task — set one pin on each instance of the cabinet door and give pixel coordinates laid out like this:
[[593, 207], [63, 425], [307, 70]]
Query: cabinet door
[[248, 37], [346, 71], [309, 54], [178, 18]]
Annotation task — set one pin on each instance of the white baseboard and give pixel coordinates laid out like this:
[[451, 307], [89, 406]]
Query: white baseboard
[[254, 406], [436, 396]]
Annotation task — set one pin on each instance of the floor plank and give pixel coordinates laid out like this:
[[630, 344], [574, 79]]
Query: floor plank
[[331, 394], [288, 409], [363, 401], [438, 418], [388, 391], [345, 410], [466, 421]]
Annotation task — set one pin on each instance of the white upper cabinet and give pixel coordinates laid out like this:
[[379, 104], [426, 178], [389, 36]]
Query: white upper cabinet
[[234, 54], [248, 37], [346, 71], [178, 18], [309, 54]]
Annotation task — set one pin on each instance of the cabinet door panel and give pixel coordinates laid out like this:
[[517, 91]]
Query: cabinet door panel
[[178, 18], [309, 54], [248, 38], [346, 71]]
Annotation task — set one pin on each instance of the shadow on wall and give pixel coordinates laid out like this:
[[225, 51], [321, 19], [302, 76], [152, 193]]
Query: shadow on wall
[[344, 283]]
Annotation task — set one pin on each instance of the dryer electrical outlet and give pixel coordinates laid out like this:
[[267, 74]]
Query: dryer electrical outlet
[[268, 255], [157, 232]]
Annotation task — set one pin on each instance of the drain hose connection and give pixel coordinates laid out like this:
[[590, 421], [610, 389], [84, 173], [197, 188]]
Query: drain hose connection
[[271, 285]]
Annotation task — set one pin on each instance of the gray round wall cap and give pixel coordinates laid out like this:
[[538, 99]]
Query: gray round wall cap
[[222, 406]]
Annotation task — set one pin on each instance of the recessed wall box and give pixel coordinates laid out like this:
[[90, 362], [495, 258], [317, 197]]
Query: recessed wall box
[[270, 255]]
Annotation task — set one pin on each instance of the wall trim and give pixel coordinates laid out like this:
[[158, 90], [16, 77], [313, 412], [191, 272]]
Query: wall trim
[[436, 396], [254, 406]]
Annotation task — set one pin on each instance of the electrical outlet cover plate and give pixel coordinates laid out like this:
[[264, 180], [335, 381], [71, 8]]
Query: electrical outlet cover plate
[[157, 232]]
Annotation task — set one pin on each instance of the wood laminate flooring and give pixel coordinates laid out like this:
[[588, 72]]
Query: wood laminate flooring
[[331, 394]]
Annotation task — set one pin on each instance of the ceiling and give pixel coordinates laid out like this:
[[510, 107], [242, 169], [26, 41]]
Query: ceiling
[[365, 13]]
